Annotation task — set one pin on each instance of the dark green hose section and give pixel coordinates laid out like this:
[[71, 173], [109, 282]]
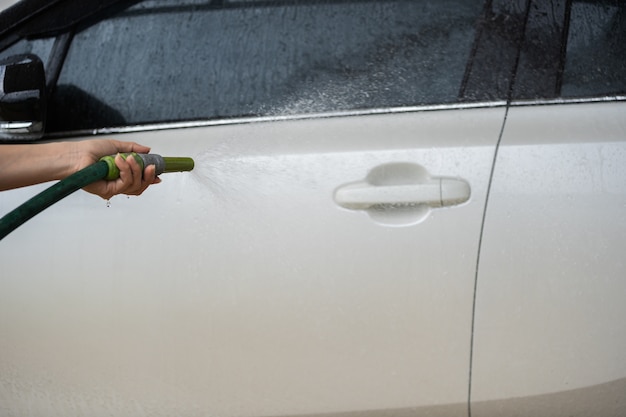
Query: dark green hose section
[[48, 197]]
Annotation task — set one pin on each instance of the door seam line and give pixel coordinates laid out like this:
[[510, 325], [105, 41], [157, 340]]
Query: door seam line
[[480, 244]]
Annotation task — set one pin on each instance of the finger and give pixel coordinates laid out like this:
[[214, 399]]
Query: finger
[[134, 184], [149, 177], [135, 169], [131, 147], [127, 179], [149, 174]]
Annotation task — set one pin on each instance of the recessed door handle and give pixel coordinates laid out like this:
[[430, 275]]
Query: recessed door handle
[[435, 192]]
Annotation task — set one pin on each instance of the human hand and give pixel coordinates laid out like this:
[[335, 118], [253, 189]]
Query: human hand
[[132, 181]]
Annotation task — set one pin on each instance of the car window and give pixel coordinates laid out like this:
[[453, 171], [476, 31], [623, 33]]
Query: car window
[[595, 61], [171, 60], [40, 47]]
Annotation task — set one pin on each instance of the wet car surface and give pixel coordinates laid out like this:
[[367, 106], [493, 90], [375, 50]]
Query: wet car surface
[[303, 267]]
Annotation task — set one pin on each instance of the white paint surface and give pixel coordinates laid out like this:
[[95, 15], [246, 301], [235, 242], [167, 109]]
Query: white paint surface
[[7, 3], [242, 288], [550, 300]]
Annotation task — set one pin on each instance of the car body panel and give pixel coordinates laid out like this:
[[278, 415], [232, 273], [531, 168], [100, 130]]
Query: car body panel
[[551, 276], [242, 288]]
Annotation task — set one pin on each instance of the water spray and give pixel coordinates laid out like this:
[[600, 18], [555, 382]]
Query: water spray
[[104, 169]]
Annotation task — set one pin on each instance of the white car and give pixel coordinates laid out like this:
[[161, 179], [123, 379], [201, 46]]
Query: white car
[[399, 208]]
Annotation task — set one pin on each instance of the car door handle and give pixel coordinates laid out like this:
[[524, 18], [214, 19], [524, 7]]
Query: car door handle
[[434, 192]]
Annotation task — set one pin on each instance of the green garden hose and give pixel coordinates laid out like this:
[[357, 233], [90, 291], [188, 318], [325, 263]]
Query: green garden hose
[[105, 168]]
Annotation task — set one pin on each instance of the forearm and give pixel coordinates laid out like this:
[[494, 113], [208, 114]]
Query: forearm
[[28, 164], [22, 165]]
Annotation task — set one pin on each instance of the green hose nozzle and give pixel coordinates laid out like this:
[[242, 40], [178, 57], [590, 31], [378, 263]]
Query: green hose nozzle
[[161, 164], [105, 168]]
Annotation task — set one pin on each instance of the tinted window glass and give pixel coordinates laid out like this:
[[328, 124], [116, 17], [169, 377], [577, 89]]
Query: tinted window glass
[[596, 49], [179, 60], [39, 47]]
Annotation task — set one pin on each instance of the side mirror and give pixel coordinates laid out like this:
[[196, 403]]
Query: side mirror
[[22, 98]]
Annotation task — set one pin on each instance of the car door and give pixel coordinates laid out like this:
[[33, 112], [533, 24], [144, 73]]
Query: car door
[[321, 257], [549, 334]]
